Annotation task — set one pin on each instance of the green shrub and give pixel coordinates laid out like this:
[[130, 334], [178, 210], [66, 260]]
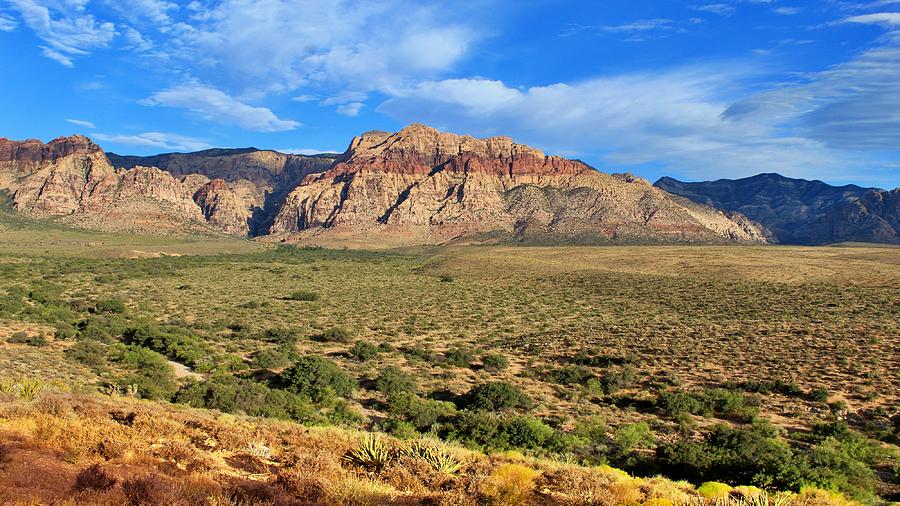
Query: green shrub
[[570, 375], [392, 380], [525, 432], [476, 429], [109, 306], [496, 396], [616, 379], [592, 429], [421, 413], [150, 373], [335, 334], [363, 350], [458, 357], [634, 436], [64, 331], [318, 378], [177, 343], [280, 335], [751, 456], [303, 295], [494, 362], [89, 353], [401, 429], [819, 395], [236, 395], [271, 358]]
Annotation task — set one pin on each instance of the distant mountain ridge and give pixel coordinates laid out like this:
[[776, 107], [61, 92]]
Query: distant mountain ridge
[[798, 211], [415, 186]]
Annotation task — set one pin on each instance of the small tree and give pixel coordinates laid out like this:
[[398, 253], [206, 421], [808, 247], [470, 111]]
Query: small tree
[[318, 378]]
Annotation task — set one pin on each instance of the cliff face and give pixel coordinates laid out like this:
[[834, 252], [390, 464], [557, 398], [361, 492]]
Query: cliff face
[[232, 191], [71, 178], [799, 211], [427, 186], [260, 179]]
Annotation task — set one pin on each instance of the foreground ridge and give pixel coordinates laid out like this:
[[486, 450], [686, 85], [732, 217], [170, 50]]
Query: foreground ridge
[[102, 450]]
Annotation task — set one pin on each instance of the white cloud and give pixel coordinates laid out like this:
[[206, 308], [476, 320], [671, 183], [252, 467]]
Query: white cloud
[[156, 11], [156, 140], [215, 105], [360, 46], [851, 106], [881, 18], [637, 30], [7, 24], [673, 117], [64, 27], [787, 11], [81, 123], [352, 109], [721, 9]]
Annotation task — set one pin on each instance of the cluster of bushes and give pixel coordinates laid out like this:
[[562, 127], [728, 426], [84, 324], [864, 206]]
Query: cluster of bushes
[[231, 394], [835, 458], [719, 402], [177, 343], [30, 339]]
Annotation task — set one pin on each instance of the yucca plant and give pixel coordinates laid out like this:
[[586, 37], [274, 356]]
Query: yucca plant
[[438, 458], [372, 453], [29, 389]]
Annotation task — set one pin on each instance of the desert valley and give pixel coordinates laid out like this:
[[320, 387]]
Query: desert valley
[[484, 295], [485, 253]]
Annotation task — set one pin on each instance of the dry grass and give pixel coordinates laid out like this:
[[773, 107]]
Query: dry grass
[[178, 456]]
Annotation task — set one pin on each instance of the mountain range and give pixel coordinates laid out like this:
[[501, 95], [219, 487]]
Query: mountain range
[[422, 186], [797, 211]]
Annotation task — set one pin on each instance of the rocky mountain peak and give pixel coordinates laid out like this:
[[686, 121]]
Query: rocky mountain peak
[[35, 151], [427, 143]]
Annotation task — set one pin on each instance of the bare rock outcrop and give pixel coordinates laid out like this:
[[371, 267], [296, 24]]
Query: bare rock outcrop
[[426, 186]]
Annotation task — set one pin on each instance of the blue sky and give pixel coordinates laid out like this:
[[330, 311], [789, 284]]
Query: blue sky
[[700, 89]]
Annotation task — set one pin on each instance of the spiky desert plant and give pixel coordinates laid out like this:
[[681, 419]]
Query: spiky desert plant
[[258, 449], [372, 453], [29, 389], [437, 457]]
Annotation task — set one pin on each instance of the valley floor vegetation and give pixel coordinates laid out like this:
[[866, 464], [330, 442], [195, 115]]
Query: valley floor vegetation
[[767, 367]]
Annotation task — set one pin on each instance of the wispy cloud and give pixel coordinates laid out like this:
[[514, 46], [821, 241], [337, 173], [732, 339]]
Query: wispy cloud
[[787, 11], [850, 106], [352, 109], [215, 105], [889, 19], [638, 30], [81, 123], [350, 46], [156, 140], [7, 24], [721, 9], [65, 28]]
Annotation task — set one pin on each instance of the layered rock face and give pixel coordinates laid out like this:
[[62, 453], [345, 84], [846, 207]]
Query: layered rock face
[[230, 191], [71, 178], [426, 186], [259, 179], [799, 211]]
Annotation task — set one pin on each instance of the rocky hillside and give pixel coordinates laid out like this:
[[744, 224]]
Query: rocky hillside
[[72, 179], [417, 186], [422, 186], [265, 177], [799, 211]]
